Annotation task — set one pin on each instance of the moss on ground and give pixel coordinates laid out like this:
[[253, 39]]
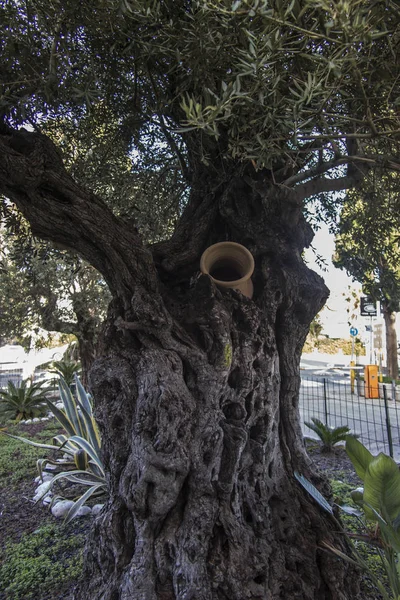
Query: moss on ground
[[43, 562], [17, 460]]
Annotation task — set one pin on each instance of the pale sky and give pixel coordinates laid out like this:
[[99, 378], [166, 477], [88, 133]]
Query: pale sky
[[334, 316]]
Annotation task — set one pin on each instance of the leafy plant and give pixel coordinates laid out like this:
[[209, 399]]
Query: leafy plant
[[26, 401], [379, 502], [328, 435], [66, 369], [80, 444]]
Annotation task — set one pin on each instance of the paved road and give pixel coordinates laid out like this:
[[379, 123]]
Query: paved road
[[336, 370]]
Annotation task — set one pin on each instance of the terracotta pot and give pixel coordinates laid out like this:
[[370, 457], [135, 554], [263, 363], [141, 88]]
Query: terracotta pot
[[229, 265]]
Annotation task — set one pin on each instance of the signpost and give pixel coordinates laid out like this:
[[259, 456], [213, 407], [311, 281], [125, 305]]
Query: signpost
[[353, 333], [378, 345]]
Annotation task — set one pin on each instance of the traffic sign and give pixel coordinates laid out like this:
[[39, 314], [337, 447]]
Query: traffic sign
[[353, 331], [368, 307]]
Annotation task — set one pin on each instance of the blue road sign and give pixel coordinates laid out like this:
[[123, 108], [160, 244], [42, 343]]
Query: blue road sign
[[353, 331]]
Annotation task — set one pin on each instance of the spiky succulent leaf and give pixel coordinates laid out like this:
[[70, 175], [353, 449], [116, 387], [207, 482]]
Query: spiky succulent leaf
[[70, 407], [80, 502]]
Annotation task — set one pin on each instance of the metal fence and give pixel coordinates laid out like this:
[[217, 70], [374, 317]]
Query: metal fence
[[14, 375], [375, 421]]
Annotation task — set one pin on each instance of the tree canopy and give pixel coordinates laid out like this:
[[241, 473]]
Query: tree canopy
[[297, 88]]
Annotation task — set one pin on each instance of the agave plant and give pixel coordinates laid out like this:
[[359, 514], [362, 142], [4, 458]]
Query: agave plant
[[80, 444], [26, 401], [66, 369], [328, 435]]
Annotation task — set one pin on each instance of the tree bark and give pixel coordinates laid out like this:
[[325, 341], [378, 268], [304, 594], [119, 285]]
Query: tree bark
[[196, 393], [391, 341]]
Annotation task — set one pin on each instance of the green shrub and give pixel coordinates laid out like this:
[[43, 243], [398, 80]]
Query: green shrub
[[45, 560], [66, 369], [25, 401], [333, 346], [328, 435]]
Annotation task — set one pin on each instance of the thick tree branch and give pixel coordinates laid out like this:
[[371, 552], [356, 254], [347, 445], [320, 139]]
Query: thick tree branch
[[369, 160], [323, 184], [33, 176]]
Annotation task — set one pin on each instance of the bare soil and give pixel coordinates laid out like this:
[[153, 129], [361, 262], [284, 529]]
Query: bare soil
[[335, 464]]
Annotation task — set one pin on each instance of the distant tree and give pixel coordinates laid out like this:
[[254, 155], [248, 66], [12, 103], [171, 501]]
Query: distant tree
[[368, 248], [315, 330], [46, 289]]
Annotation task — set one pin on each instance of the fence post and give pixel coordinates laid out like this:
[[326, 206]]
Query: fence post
[[325, 403], [358, 384], [393, 390], [388, 428]]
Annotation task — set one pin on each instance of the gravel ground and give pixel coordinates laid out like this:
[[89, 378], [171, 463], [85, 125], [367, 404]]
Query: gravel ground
[[335, 465]]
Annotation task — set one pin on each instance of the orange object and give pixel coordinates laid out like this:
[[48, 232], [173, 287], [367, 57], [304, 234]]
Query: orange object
[[371, 381]]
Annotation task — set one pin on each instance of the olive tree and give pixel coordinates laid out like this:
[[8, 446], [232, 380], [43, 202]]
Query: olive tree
[[264, 105]]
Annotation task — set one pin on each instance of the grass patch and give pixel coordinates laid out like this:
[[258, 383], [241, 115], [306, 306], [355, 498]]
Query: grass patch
[[45, 563], [17, 460], [46, 560]]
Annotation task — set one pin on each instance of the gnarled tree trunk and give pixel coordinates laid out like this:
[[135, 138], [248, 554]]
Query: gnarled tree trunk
[[196, 396]]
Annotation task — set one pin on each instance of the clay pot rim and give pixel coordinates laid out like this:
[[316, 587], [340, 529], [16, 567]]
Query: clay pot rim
[[240, 247]]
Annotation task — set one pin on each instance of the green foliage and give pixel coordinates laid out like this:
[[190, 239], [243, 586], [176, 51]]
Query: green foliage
[[334, 345], [380, 503], [45, 290], [315, 330], [41, 562], [252, 73], [328, 435], [381, 478], [16, 459], [81, 443], [367, 241], [26, 401], [359, 455], [66, 369], [359, 559], [341, 491]]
